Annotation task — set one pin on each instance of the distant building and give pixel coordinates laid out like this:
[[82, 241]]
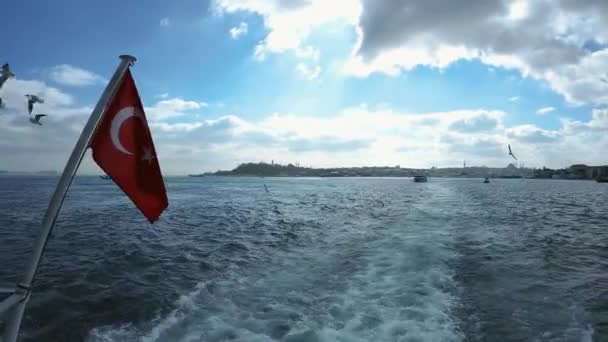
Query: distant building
[[580, 171], [544, 173], [599, 171]]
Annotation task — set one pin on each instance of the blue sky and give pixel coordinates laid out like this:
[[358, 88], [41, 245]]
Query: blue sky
[[229, 81]]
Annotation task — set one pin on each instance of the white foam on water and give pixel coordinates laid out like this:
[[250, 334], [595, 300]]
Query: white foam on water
[[389, 282], [128, 332], [578, 329]]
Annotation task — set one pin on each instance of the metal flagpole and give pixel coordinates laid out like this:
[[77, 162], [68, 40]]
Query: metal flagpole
[[24, 286]]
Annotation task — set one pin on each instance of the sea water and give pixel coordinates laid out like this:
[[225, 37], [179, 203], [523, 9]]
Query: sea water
[[315, 259]]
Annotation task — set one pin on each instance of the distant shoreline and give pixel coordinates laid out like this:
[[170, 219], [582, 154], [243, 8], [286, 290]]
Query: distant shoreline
[[575, 172], [387, 177]]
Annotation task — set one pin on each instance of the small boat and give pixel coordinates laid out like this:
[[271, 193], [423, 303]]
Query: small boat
[[420, 179], [487, 180], [104, 177], [602, 179]]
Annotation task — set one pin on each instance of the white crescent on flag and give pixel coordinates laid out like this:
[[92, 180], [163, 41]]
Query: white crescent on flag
[[117, 122]]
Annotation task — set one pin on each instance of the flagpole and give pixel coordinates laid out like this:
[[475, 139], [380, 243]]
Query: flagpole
[[24, 286]]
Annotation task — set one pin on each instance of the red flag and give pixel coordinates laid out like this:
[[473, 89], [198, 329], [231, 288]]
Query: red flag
[[122, 146]]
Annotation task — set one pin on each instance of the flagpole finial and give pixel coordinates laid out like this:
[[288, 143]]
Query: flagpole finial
[[128, 58]]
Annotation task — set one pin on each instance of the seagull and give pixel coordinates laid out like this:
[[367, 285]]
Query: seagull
[[511, 152], [604, 79], [36, 119], [5, 74], [31, 99]]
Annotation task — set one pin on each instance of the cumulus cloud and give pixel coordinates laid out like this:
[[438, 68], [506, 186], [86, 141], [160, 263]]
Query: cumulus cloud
[[532, 134], [327, 144], [491, 148], [176, 127], [481, 123], [542, 39], [355, 136], [562, 43], [598, 123], [70, 75], [27, 147], [171, 108], [290, 22], [545, 110], [308, 73], [358, 136], [14, 90], [239, 31]]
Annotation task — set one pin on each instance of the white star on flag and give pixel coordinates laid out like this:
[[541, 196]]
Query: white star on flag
[[148, 155]]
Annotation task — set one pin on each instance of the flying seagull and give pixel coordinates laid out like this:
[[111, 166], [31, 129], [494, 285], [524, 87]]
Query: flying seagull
[[31, 99], [5, 74], [36, 119], [511, 152]]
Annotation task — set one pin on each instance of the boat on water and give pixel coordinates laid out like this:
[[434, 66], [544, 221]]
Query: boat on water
[[420, 179], [602, 179], [487, 180], [104, 177]]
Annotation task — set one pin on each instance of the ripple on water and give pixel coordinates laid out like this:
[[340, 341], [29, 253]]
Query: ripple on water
[[331, 260]]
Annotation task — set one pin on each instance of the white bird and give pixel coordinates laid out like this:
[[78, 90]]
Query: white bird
[[36, 119], [31, 99], [511, 153], [5, 74]]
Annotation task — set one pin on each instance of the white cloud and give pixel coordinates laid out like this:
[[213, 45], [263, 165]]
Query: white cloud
[[69, 75], [162, 96], [165, 22], [359, 136], [355, 136], [542, 39], [532, 134], [238, 31], [308, 52], [14, 90], [518, 10], [545, 110], [545, 40], [598, 123], [393, 61], [599, 119], [176, 127], [290, 22], [308, 73], [171, 108], [514, 98]]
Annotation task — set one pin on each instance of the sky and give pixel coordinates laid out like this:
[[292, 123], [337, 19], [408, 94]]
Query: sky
[[316, 82]]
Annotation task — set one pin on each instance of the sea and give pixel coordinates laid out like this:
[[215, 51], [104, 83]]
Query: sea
[[314, 260]]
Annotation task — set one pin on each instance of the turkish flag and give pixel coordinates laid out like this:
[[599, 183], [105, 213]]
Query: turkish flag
[[123, 147]]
